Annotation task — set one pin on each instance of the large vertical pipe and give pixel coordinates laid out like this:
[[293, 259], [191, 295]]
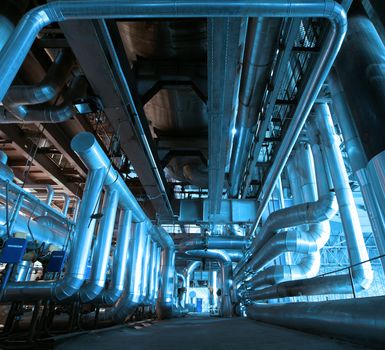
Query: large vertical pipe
[[164, 306], [146, 270], [120, 260], [362, 274], [359, 162], [102, 249], [361, 68]]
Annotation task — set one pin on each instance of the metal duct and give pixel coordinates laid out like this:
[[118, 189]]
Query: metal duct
[[362, 274], [76, 269], [308, 239], [100, 172], [95, 284], [19, 98], [132, 295], [40, 232], [193, 265], [361, 69], [181, 296], [52, 114], [358, 320], [152, 278], [261, 44], [226, 274], [120, 260], [164, 305], [146, 271], [358, 162], [308, 213], [232, 242]]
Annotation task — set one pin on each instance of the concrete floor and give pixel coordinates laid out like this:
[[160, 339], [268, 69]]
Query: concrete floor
[[197, 332]]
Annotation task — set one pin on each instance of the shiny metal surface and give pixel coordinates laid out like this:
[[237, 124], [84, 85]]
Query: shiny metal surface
[[226, 275], [261, 44], [120, 260], [356, 320], [101, 251]]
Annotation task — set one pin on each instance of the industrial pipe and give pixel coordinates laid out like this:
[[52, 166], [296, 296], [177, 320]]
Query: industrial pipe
[[307, 239], [95, 284], [363, 273], [226, 274], [19, 98], [358, 320], [260, 48], [120, 260]]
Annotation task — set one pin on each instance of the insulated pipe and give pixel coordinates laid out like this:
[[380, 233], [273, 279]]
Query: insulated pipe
[[66, 205], [50, 194], [19, 98], [131, 297], [193, 265], [361, 69], [182, 297], [33, 230], [308, 213], [146, 271], [95, 284], [76, 269], [164, 305], [357, 320], [120, 260], [226, 275], [232, 242], [363, 273], [53, 113], [307, 239], [260, 47], [152, 277], [22, 38], [157, 269], [358, 162]]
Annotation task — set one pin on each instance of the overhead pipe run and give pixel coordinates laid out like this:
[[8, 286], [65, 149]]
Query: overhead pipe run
[[56, 113], [260, 47], [19, 99]]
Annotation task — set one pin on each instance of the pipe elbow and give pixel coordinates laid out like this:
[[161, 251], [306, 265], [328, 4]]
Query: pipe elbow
[[67, 287]]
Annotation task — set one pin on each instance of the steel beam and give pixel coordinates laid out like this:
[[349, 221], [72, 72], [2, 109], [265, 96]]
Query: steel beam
[[223, 51], [96, 63], [23, 145]]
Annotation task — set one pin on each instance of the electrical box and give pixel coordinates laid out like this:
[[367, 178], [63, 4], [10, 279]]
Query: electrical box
[[13, 250], [56, 261]]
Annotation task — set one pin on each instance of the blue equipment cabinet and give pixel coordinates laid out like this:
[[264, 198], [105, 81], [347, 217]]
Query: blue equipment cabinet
[[56, 261], [13, 250]]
